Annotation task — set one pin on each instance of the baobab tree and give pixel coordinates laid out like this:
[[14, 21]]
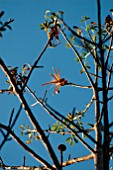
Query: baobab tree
[[92, 48]]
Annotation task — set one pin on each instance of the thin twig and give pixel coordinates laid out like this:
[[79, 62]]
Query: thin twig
[[108, 54], [79, 86], [109, 77], [36, 62], [110, 98], [5, 90], [10, 120], [88, 105], [11, 126]]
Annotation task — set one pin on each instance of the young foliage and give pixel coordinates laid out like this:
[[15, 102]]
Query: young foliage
[[4, 25]]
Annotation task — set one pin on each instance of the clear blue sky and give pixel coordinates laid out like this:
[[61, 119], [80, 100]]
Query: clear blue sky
[[22, 45]]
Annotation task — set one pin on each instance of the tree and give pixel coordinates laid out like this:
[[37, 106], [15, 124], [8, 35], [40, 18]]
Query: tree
[[92, 48]]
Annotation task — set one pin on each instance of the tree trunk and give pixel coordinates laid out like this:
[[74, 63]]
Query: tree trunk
[[98, 158]]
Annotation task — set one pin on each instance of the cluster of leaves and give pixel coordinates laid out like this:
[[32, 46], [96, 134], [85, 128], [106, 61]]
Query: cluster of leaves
[[19, 78], [91, 28], [52, 28], [57, 128], [52, 20], [26, 130], [61, 129], [4, 25]]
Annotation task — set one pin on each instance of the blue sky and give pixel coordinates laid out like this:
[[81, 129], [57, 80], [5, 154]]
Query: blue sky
[[22, 45]]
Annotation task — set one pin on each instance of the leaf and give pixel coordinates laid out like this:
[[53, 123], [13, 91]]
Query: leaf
[[71, 142], [21, 127], [28, 141], [60, 12], [27, 126], [24, 69], [90, 124], [88, 67], [78, 30], [83, 136], [10, 88], [8, 26], [84, 18], [1, 34], [82, 70], [111, 10], [68, 140], [53, 13], [55, 127], [1, 23], [2, 13], [76, 141], [2, 29], [48, 11], [27, 133], [67, 45], [36, 137], [46, 14], [42, 28], [10, 20], [22, 133], [91, 27], [30, 135], [93, 37]]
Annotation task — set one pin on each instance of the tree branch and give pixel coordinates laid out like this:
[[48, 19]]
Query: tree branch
[[79, 86], [88, 105], [36, 62], [11, 126], [76, 160], [108, 54]]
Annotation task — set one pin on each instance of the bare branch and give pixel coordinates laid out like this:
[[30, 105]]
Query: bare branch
[[76, 160], [110, 98], [11, 126], [36, 62], [109, 77], [88, 105], [5, 90], [10, 120], [108, 54], [79, 86], [22, 167]]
